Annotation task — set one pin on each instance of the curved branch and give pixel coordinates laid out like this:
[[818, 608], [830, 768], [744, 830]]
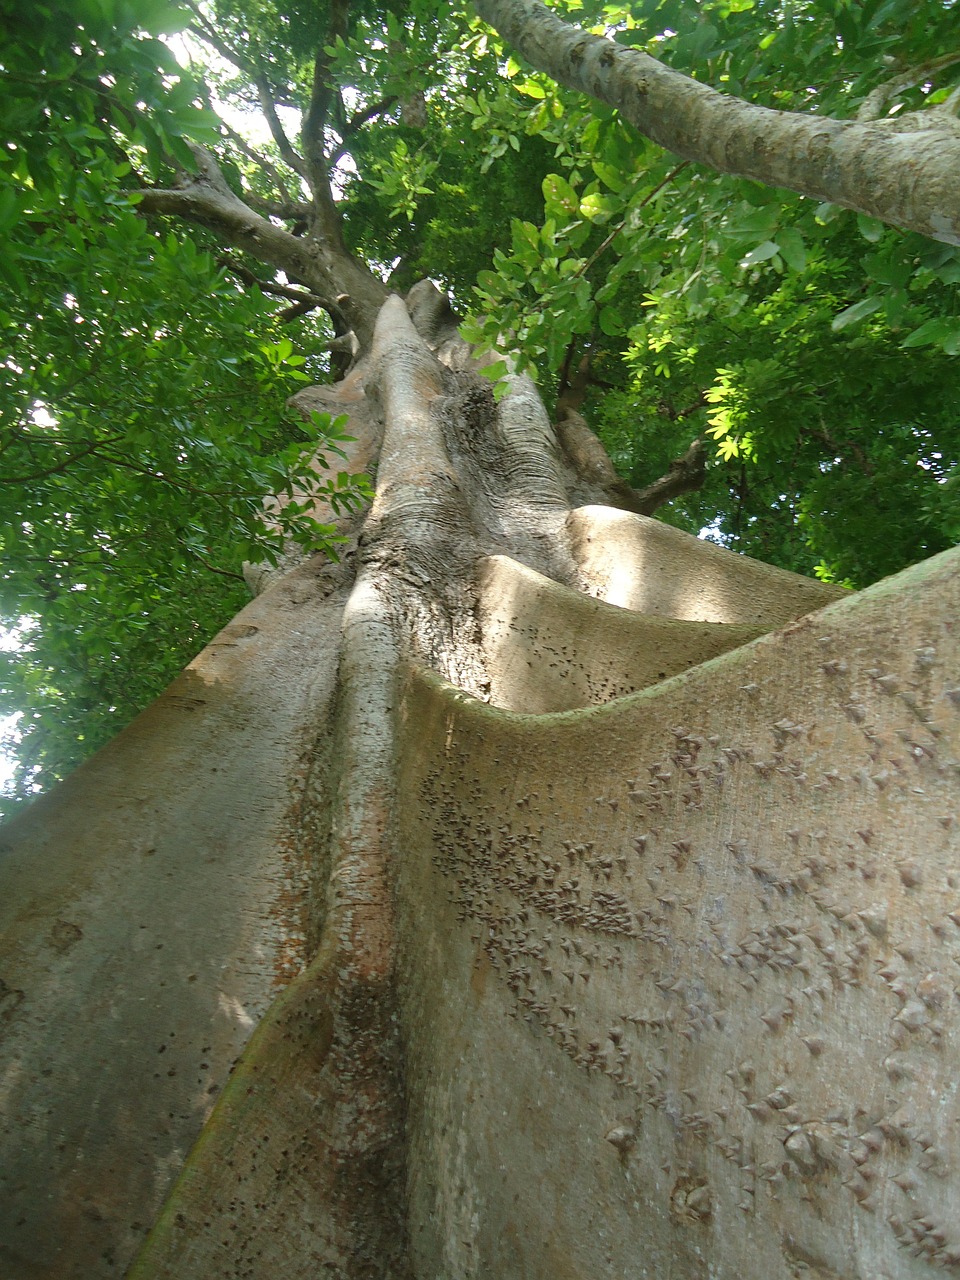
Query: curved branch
[[592, 464], [370, 112], [284, 145], [302, 298], [357, 121], [251, 67], [261, 161], [324, 96], [343, 283], [684, 475], [212, 568], [907, 179], [872, 106], [60, 467]]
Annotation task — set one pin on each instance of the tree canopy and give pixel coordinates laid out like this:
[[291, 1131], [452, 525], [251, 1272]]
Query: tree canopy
[[203, 205]]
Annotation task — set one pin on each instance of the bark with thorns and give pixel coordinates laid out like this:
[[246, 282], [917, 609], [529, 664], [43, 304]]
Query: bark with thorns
[[661, 962]]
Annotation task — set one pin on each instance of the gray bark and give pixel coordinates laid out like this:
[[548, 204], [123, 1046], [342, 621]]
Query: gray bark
[[611, 939], [907, 178], [319, 260]]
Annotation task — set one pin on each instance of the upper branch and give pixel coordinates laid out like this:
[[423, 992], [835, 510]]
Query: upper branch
[[346, 287], [908, 179], [875, 101], [323, 93], [356, 121], [251, 67], [261, 161], [284, 145]]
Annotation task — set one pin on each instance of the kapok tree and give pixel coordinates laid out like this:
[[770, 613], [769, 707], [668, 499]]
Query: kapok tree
[[577, 900]]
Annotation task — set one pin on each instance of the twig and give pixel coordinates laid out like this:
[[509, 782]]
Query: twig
[[617, 229], [877, 98]]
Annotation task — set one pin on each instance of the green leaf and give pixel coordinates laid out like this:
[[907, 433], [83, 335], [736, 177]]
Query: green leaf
[[559, 194], [495, 370], [853, 315], [792, 248], [598, 208], [933, 332], [870, 228], [762, 253], [609, 175], [611, 322]]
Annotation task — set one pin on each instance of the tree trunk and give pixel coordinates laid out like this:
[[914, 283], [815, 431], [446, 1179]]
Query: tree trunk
[[612, 902]]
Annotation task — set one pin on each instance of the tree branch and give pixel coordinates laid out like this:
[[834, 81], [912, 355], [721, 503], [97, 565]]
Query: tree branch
[[684, 475], [872, 106], [323, 93], [284, 145], [675, 415], [287, 211], [222, 573], [251, 67], [356, 122], [204, 31], [303, 298], [907, 179], [322, 96], [333, 275], [60, 467], [261, 161], [592, 464]]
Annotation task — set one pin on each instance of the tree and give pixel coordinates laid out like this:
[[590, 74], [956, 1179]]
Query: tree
[[519, 788]]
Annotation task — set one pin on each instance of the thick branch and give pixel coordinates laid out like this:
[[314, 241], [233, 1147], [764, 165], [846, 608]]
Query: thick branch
[[323, 92], [908, 179], [324, 96], [336, 277], [684, 475]]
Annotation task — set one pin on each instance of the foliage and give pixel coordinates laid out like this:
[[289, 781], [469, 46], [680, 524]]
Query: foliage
[[814, 349], [144, 392]]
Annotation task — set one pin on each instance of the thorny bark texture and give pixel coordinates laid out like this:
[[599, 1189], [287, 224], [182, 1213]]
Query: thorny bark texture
[[661, 984], [905, 176]]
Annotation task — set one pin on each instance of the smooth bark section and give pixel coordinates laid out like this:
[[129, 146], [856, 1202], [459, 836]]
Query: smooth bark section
[[904, 178], [547, 648], [642, 564], [150, 909], [677, 972]]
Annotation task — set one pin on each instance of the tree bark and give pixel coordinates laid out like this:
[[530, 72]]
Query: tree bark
[[618, 903], [320, 261], [907, 178]]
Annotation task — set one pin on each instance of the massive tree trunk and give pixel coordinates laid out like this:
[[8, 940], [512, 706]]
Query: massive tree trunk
[[579, 902]]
